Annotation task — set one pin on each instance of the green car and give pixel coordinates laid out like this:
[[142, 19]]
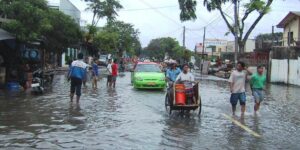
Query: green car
[[148, 75]]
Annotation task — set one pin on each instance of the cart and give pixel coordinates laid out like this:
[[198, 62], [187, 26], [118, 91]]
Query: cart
[[170, 102]]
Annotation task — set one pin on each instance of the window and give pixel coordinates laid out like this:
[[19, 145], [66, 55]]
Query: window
[[290, 38]]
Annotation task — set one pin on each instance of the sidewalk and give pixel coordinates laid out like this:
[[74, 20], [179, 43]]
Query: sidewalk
[[198, 76]]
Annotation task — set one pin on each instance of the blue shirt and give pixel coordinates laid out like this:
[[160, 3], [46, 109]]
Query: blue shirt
[[95, 69], [78, 69], [173, 73]]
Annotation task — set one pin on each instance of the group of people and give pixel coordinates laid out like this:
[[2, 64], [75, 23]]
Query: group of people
[[175, 75], [78, 74], [237, 82]]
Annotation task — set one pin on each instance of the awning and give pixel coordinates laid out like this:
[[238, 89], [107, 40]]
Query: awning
[[4, 35]]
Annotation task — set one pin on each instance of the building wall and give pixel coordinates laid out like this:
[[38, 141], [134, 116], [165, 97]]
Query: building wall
[[230, 46], [249, 47], [293, 26], [69, 9]]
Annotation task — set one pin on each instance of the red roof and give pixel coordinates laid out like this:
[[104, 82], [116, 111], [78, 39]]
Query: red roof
[[291, 15]]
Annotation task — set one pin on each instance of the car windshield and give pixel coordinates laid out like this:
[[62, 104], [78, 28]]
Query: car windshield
[[147, 68]]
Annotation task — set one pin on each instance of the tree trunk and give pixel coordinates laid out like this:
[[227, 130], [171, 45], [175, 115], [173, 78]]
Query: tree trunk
[[241, 48]]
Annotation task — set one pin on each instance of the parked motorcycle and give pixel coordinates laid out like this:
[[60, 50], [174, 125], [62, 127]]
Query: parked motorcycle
[[37, 82]]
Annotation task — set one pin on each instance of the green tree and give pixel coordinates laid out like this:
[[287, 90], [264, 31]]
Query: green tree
[[159, 47], [103, 8], [266, 41], [64, 31], [100, 9], [117, 37], [260, 7], [29, 19]]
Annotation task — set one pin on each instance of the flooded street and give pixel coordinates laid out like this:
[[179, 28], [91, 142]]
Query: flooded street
[[125, 118]]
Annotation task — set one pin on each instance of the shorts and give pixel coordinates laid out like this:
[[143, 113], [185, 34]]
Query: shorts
[[109, 78], [114, 78], [76, 84], [235, 97], [258, 95]]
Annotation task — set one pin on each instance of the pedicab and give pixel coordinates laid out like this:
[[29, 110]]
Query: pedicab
[[180, 99]]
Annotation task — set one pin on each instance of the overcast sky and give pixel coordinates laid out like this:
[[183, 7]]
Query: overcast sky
[[164, 20]]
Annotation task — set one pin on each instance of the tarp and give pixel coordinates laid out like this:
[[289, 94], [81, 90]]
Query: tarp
[[4, 35]]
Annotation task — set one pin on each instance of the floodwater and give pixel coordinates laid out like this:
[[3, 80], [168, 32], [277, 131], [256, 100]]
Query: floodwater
[[125, 118]]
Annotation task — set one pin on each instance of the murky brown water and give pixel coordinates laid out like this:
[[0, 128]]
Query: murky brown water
[[124, 118]]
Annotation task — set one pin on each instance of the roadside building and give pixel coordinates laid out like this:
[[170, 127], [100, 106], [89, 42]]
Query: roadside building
[[68, 8], [285, 60], [291, 26], [249, 46], [214, 47]]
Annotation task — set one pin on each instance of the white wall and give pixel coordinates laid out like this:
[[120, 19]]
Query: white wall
[[286, 72], [69, 9], [250, 45]]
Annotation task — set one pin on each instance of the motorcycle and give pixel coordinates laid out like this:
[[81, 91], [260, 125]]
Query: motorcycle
[[37, 82]]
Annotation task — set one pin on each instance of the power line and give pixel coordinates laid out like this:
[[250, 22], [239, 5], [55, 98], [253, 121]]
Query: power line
[[142, 9], [162, 14]]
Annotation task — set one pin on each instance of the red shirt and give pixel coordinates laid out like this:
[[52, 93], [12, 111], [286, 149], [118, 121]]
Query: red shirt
[[114, 68]]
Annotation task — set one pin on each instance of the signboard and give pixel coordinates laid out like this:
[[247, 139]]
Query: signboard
[[215, 42]]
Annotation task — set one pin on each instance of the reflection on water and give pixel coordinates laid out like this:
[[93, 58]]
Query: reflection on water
[[125, 118], [180, 132]]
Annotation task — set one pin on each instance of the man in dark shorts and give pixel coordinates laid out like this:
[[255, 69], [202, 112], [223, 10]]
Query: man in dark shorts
[[237, 82], [109, 76], [77, 74], [258, 82]]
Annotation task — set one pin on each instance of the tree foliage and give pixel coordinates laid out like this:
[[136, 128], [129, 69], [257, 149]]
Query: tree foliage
[[103, 8], [29, 18], [260, 7], [117, 37], [64, 30], [32, 20], [157, 48], [269, 36]]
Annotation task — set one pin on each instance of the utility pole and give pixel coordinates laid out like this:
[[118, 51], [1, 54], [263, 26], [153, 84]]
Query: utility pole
[[183, 40], [273, 36], [236, 37], [203, 47]]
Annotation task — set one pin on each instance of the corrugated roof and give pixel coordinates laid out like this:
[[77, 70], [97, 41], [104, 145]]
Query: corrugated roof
[[288, 18]]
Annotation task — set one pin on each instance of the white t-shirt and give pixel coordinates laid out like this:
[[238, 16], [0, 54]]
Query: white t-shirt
[[239, 80], [185, 77], [109, 69]]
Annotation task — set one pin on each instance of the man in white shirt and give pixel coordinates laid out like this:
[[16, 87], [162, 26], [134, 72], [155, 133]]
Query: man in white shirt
[[188, 79], [237, 82], [109, 76], [185, 75]]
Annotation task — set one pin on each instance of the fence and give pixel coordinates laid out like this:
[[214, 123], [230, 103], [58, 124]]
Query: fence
[[285, 65]]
